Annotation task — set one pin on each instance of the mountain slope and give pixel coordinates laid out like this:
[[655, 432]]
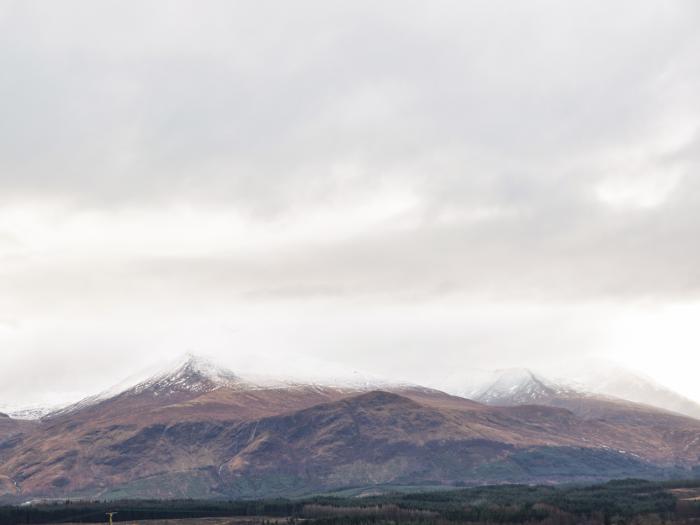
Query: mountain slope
[[375, 437], [380, 437], [10, 427], [612, 380], [12, 433], [202, 431]]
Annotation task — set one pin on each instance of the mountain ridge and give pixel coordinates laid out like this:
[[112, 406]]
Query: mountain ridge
[[598, 384], [198, 430]]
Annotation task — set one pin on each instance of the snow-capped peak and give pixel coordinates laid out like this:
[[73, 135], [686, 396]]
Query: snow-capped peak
[[515, 386], [190, 373], [195, 373]]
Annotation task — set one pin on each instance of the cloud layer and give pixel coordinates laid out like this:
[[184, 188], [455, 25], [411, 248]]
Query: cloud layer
[[185, 158]]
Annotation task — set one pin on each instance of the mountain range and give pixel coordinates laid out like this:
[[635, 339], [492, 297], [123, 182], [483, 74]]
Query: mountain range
[[200, 430]]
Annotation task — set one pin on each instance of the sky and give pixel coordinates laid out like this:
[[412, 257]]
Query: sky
[[412, 189]]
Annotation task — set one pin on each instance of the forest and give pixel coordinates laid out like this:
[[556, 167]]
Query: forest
[[616, 502]]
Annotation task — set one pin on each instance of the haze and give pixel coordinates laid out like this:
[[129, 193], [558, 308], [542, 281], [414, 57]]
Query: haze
[[411, 189]]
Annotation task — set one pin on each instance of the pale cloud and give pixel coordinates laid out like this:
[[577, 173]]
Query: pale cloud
[[397, 177]]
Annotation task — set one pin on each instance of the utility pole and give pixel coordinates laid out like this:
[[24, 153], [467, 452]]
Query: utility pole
[[110, 514]]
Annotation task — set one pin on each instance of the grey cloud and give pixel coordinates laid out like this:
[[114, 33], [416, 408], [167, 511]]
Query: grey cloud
[[501, 120], [450, 97], [543, 254]]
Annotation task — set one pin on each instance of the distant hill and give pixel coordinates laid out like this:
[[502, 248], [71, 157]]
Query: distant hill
[[585, 391], [614, 380]]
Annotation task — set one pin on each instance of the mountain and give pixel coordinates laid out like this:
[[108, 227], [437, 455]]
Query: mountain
[[604, 393], [75, 443], [184, 380], [520, 386], [196, 388], [197, 429], [612, 380], [380, 437]]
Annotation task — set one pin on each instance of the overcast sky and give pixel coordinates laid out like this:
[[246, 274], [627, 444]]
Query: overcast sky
[[413, 189]]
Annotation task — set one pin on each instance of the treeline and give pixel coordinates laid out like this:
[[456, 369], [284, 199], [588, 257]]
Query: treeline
[[615, 502], [604, 503], [136, 510], [628, 501]]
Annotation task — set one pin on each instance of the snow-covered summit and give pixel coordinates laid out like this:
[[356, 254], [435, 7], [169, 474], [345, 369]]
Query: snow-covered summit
[[188, 373], [517, 386], [193, 374]]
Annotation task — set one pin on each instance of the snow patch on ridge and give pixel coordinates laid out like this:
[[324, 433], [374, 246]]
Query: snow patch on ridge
[[30, 412]]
